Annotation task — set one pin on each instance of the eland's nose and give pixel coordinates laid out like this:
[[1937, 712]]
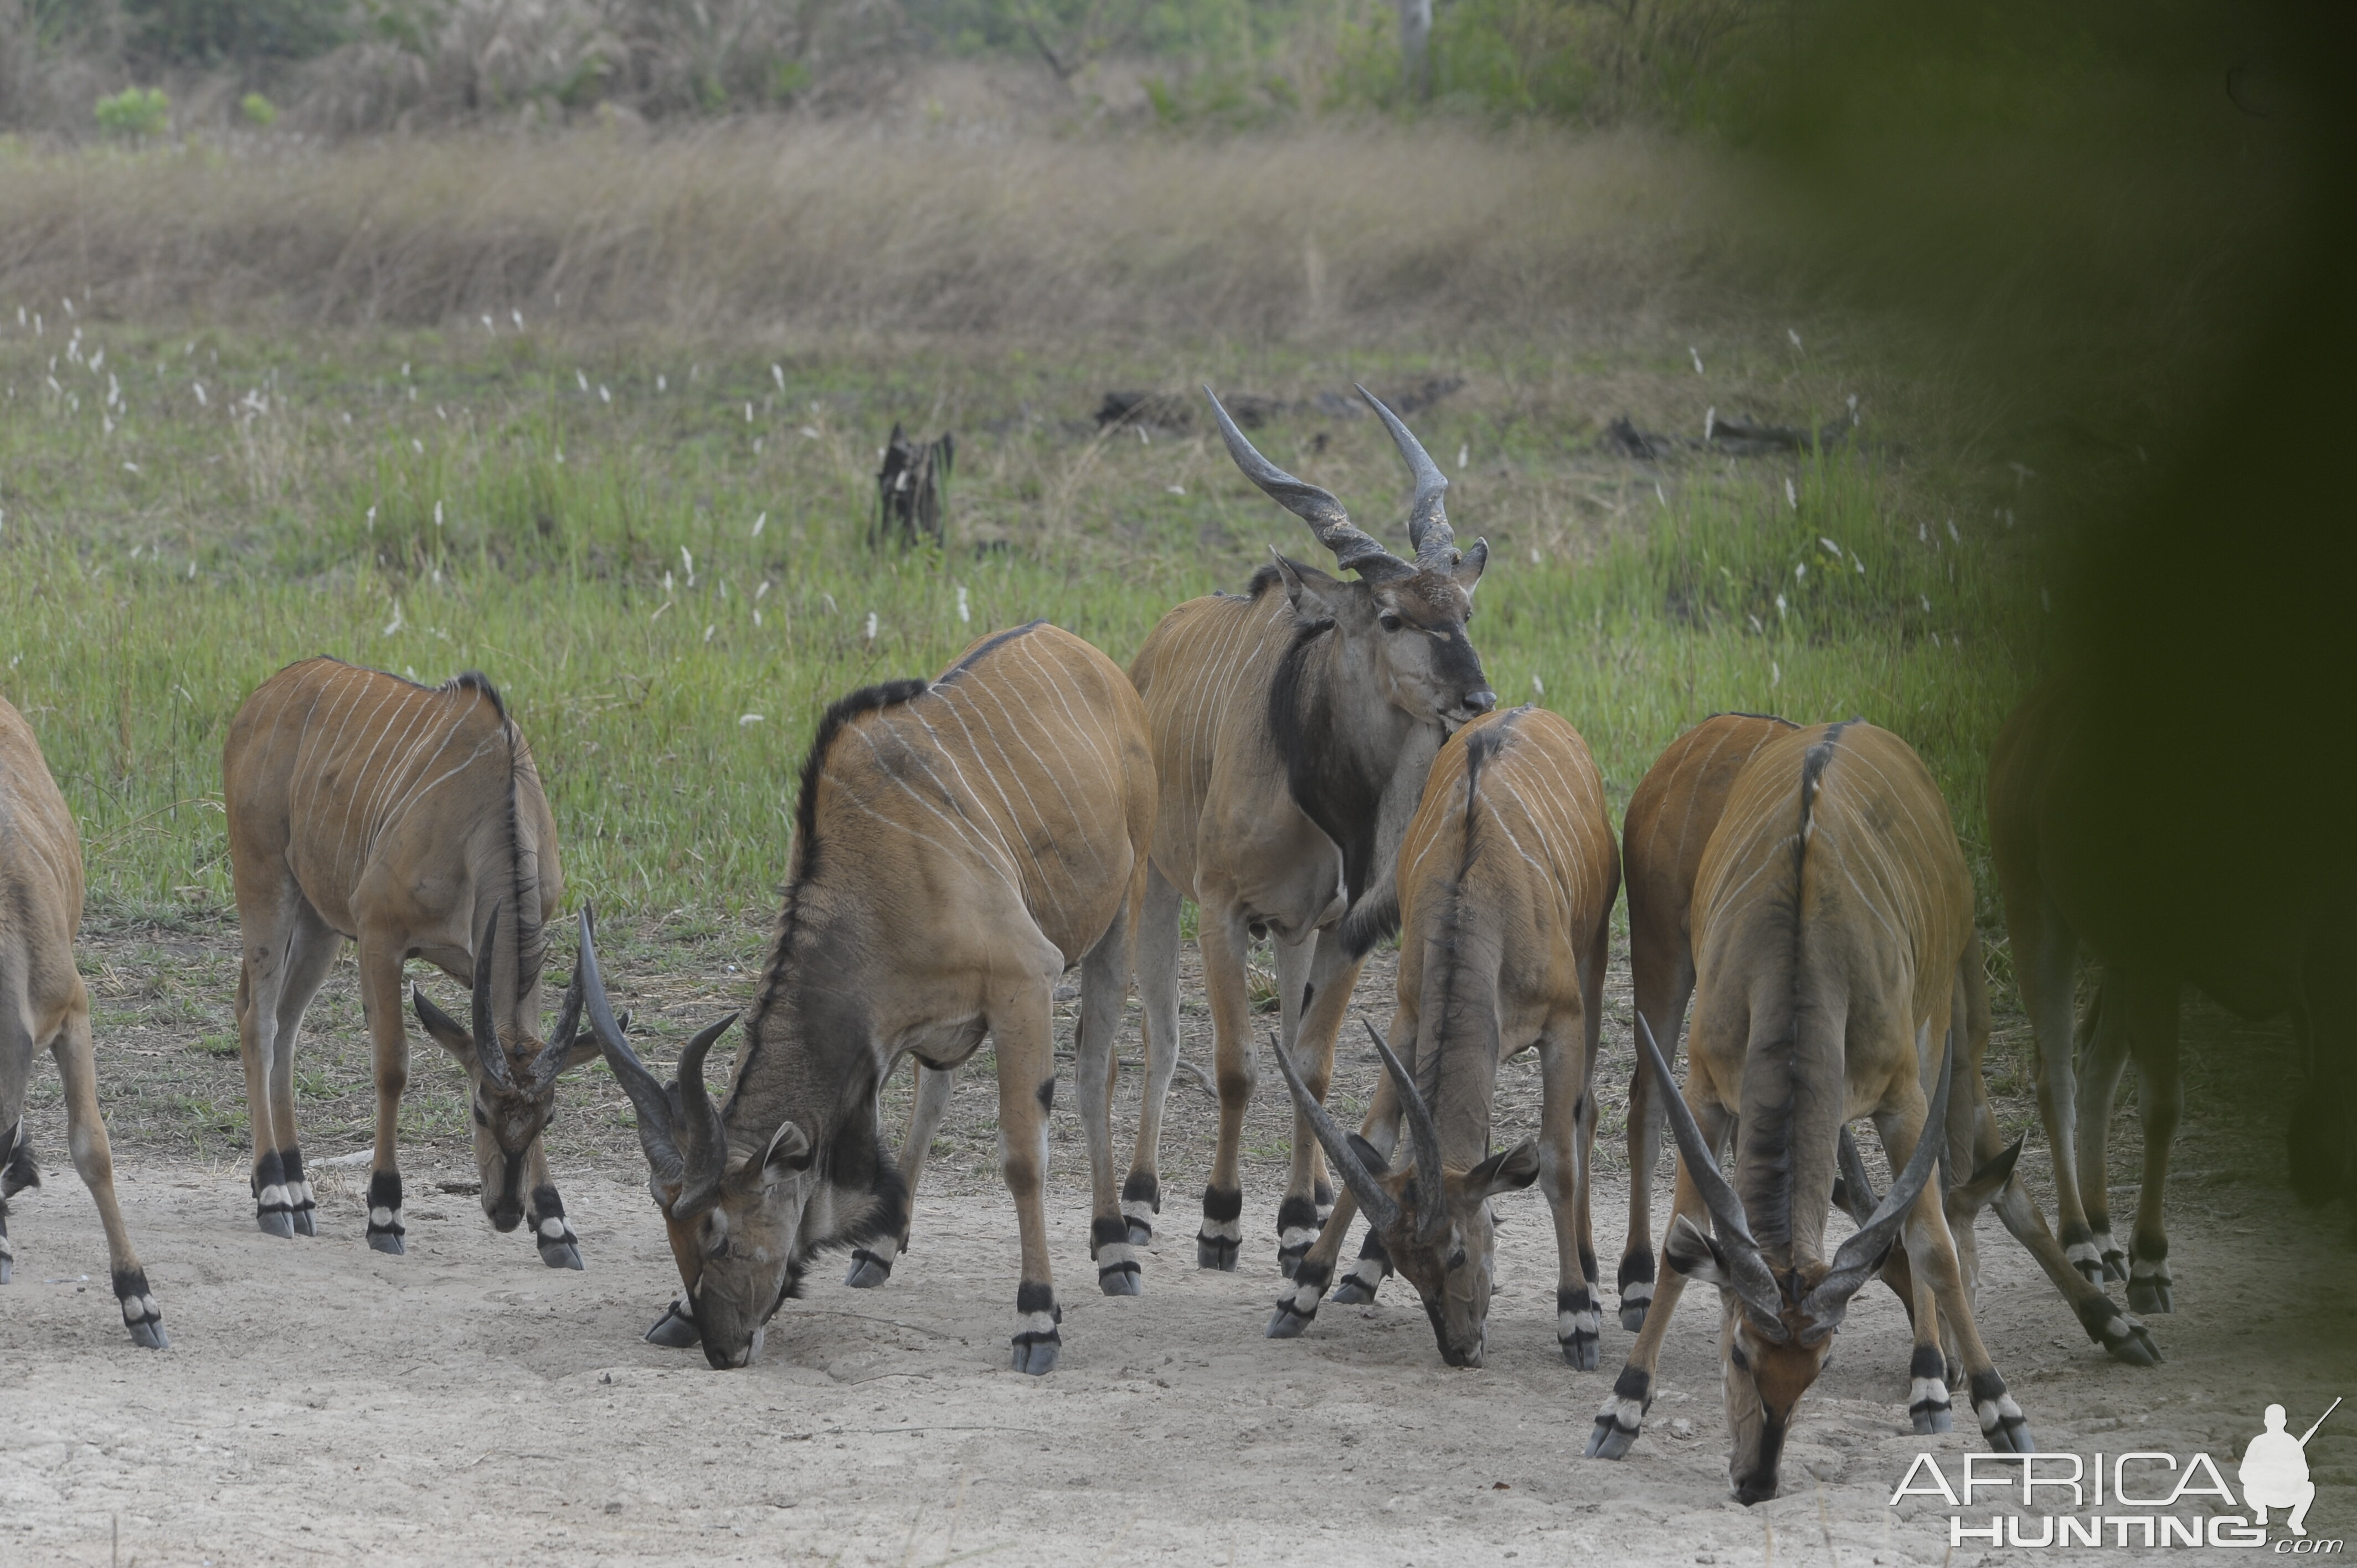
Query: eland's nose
[[1482, 701]]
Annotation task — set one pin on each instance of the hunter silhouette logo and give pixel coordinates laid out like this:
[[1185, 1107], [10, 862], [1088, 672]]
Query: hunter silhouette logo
[[2274, 1471]]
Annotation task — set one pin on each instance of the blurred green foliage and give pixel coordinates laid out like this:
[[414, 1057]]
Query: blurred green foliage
[[217, 32], [136, 111]]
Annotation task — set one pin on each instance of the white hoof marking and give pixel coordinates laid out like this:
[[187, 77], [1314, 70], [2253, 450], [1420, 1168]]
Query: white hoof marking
[[381, 1218]]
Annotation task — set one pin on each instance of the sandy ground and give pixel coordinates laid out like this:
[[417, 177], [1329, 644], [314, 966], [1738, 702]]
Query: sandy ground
[[324, 1404]]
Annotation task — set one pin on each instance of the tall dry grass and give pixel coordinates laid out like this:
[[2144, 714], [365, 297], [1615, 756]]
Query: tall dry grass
[[1375, 234]]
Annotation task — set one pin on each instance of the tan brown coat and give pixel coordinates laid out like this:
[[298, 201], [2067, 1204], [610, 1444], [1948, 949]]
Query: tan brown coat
[[43, 1003]]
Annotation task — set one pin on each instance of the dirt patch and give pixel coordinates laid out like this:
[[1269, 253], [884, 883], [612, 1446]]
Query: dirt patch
[[465, 1404]]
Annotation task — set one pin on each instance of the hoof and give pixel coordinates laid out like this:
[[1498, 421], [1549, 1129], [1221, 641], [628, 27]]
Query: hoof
[[1581, 1352], [2115, 1266], [150, 1335], [1216, 1253], [1633, 1315], [1289, 1259], [275, 1222], [1141, 1234], [2150, 1295], [386, 1241], [2125, 1339], [7, 1267], [1035, 1353], [1121, 1279], [1610, 1440], [1351, 1292], [564, 1254], [675, 1330], [867, 1271], [307, 1221], [1932, 1418], [1285, 1323]]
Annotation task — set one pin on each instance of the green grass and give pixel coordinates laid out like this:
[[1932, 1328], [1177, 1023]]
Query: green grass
[[159, 556]]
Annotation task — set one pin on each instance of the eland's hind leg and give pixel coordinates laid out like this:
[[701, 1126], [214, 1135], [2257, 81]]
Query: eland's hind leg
[[86, 1132], [1219, 931], [1664, 976], [1105, 987], [270, 910], [1563, 1069], [380, 963], [311, 948], [2109, 1043], [2161, 1101], [871, 1262], [1157, 1004], [1020, 1035]]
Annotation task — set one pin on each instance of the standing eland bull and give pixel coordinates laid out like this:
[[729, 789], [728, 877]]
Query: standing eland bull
[[1831, 911], [2069, 848], [1507, 879], [1293, 727], [959, 843], [43, 1001], [1663, 835], [410, 819]]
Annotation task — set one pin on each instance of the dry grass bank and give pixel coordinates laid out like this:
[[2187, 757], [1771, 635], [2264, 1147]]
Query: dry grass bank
[[1371, 235]]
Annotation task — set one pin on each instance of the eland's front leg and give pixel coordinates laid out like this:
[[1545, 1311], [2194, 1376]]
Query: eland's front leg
[[871, 1262], [545, 1213]]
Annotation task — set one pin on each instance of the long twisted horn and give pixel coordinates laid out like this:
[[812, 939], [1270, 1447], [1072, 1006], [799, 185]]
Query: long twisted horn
[[559, 1045], [1427, 514], [1375, 1201], [1754, 1281], [488, 1048], [703, 1139], [1353, 551], [1424, 1140], [647, 1096], [1864, 1251]]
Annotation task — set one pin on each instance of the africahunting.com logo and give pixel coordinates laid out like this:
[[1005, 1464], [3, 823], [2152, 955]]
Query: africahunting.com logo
[[2144, 1499]]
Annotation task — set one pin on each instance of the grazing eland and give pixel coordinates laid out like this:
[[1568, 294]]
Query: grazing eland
[[410, 821], [1831, 912], [959, 843], [1507, 879]]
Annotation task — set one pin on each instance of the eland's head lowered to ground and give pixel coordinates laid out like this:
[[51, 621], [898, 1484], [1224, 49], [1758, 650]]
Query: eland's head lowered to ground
[[512, 1084]]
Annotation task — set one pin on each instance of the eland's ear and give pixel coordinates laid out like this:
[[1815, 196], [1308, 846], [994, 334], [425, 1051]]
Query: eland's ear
[[789, 1154], [1690, 1251], [445, 1029], [1374, 1159], [1313, 593], [1511, 1171], [1467, 572], [586, 1048]]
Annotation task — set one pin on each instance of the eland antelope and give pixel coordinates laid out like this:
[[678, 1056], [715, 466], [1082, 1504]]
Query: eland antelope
[[1293, 727], [43, 1002], [1663, 835], [1669, 823], [1831, 911], [1507, 877], [959, 843], [410, 819], [2154, 899]]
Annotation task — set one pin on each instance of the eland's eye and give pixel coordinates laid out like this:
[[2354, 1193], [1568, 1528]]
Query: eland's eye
[[1456, 1259], [1388, 621]]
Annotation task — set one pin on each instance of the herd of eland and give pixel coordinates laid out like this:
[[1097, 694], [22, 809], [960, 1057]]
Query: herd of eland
[[1318, 759]]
